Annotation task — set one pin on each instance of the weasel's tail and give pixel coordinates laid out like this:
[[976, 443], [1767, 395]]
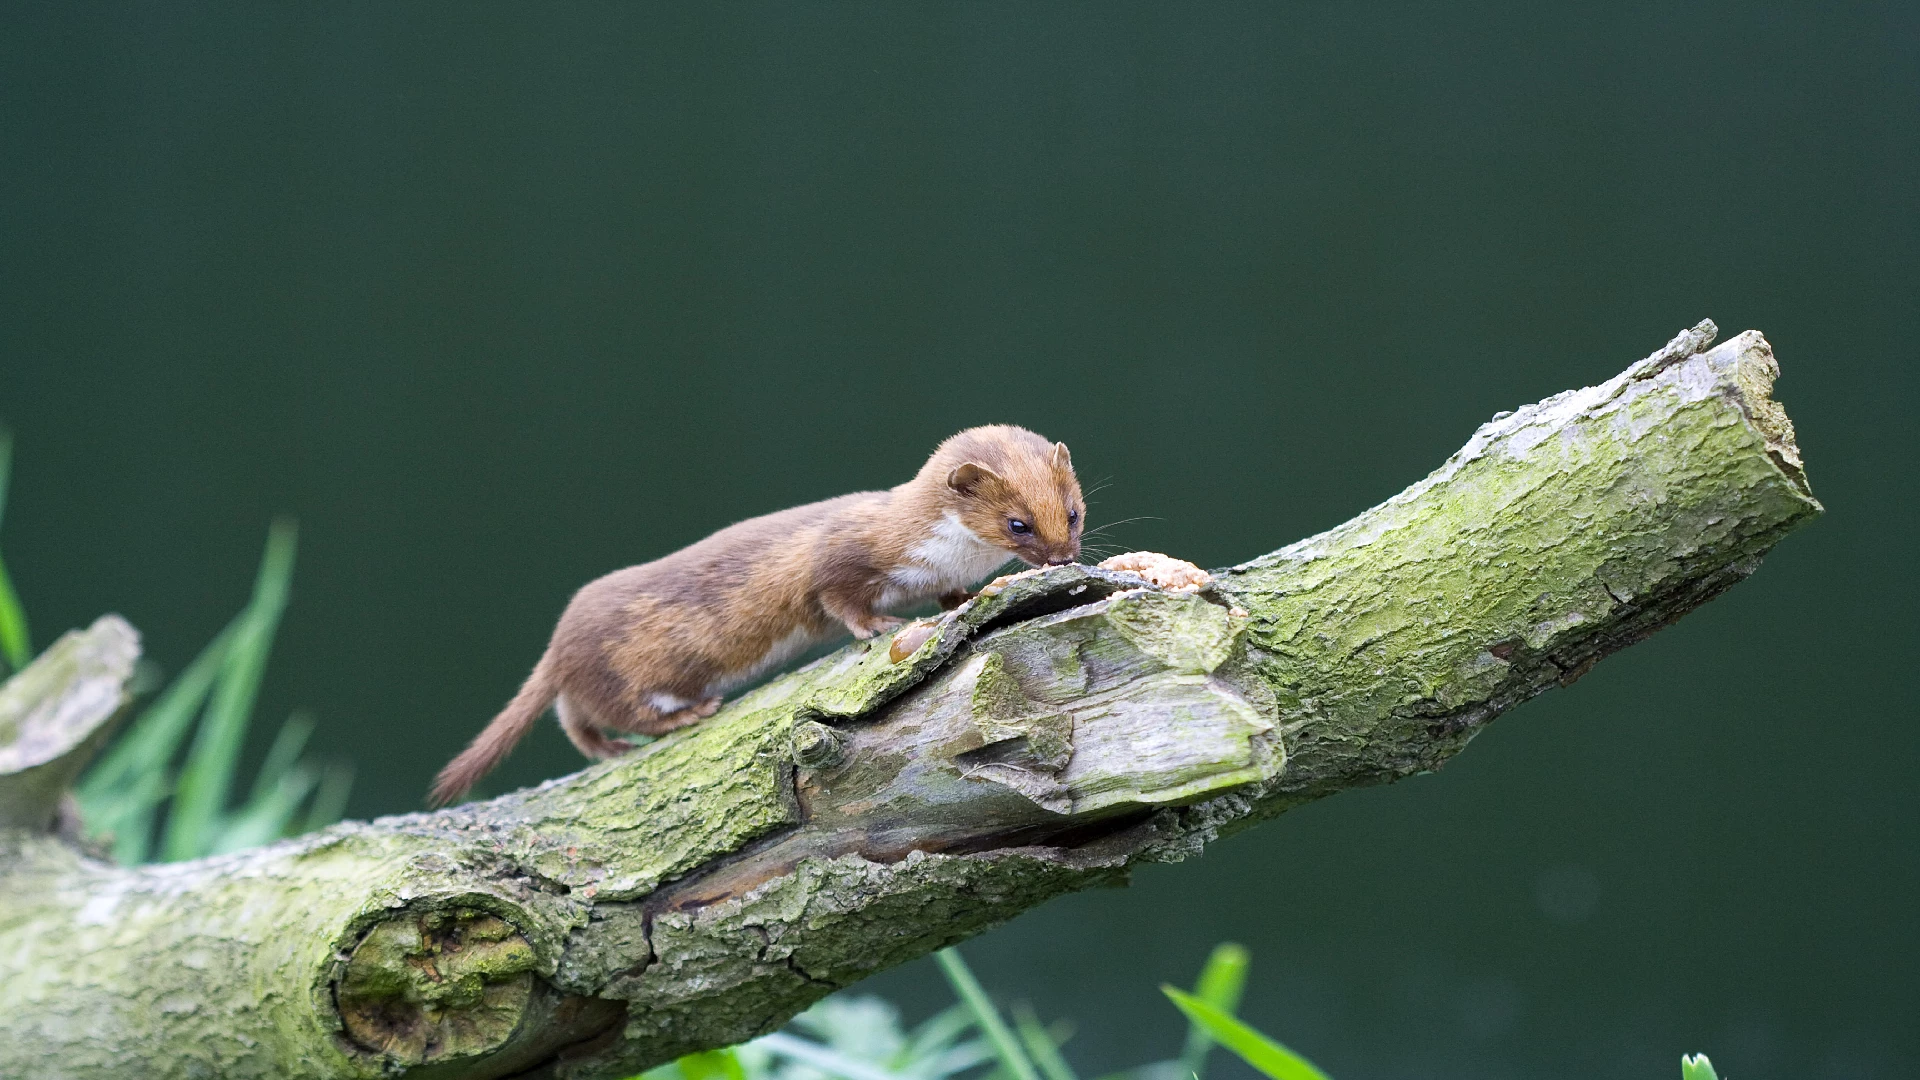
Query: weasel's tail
[[497, 740]]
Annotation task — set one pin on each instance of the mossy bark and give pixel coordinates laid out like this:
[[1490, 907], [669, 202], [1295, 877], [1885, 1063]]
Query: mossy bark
[[862, 811]]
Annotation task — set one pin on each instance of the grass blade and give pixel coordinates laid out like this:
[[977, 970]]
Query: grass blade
[[149, 742], [330, 802], [1041, 1045], [119, 795], [282, 756], [16, 646], [267, 817], [938, 1032], [935, 1050], [955, 1059], [201, 797], [1221, 982], [1012, 1057], [129, 820], [6, 466], [1697, 1067], [1257, 1050]]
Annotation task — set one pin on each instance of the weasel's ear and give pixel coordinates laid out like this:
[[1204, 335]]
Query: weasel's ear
[[1061, 459], [967, 477]]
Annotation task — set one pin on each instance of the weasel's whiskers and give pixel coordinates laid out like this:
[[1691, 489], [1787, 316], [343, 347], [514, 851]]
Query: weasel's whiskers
[[1117, 524]]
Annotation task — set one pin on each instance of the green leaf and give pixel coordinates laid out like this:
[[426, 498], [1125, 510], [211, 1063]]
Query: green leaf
[[16, 646], [712, 1065], [193, 825], [1012, 1057], [1221, 982], [1257, 1050], [1041, 1045], [1697, 1067]]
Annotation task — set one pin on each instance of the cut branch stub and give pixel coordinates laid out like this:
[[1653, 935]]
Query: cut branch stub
[[55, 713], [1562, 532], [437, 985]]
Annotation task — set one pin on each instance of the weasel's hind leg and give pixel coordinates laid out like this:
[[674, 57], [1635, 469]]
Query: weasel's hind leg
[[584, 732], [659, 713], [692, 714]]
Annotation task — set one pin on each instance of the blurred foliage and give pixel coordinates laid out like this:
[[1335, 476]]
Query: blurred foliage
[[849, 1037], [134, 795], [1697, 1067]]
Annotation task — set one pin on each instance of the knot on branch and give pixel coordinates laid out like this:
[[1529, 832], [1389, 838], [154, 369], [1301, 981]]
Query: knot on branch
[[816, 746], [429, 986]]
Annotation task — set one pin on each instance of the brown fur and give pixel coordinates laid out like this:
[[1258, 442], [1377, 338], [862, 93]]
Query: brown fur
[[653, 647]]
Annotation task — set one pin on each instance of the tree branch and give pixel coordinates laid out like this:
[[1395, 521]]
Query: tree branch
[[862, 811]]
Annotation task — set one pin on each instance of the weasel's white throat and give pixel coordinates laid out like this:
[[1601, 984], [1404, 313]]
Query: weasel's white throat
[[952, 558]]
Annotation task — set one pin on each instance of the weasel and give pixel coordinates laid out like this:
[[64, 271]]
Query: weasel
[[654, 647]]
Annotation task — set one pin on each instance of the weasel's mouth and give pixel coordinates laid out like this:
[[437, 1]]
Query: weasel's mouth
[[1041, 562]]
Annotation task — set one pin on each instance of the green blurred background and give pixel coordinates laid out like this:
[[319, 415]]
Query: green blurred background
[[496, 298]]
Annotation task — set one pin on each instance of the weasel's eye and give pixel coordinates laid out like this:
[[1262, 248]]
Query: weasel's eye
[[1073, 518], [1020, 528]]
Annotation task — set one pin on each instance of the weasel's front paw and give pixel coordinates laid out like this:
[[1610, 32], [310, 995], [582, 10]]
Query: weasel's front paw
[[869, 625]]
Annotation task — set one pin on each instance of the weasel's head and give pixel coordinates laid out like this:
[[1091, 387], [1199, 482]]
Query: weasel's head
[[1013, 489]]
